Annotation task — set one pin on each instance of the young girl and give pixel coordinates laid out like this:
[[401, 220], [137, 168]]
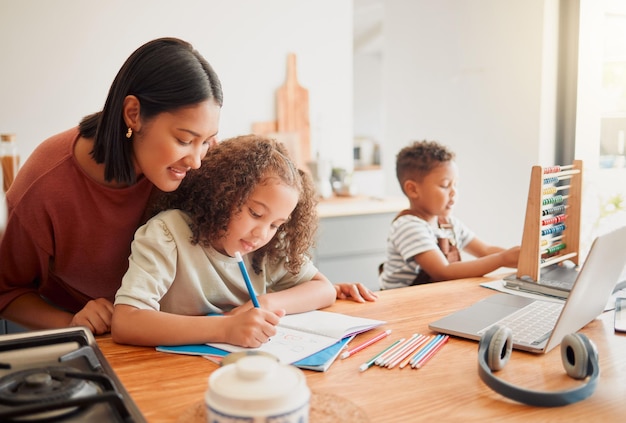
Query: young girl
[[425, 241], [247, 197]]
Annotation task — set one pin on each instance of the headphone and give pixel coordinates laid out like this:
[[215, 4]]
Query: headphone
[[578, 354]]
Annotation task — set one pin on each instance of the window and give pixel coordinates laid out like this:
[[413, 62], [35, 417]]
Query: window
[[601, 115]]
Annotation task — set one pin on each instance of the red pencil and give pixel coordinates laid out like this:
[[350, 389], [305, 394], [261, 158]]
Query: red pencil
[[431, 353], [365, 344]]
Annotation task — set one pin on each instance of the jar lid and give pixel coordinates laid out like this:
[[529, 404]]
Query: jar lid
[[7, 137], [257, 384]]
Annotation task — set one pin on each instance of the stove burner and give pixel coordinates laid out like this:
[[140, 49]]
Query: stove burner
[[62, 376], [44, 385], [39, 385]]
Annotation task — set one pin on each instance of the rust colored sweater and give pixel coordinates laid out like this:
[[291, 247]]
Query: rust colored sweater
[[67, 237]]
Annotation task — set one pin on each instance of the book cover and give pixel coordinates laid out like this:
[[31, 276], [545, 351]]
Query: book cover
[[299, 336], [319, 361]]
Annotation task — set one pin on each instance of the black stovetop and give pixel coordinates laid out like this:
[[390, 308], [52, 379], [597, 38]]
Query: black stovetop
[[60, 375]]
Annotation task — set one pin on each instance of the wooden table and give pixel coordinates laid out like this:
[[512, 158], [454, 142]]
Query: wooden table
[[168, 387]]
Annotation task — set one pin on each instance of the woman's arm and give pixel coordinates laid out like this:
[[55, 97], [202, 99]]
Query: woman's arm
[[31, 311]]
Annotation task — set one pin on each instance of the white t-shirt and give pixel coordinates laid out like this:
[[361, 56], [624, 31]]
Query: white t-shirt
[[166, 272], [409, 236]]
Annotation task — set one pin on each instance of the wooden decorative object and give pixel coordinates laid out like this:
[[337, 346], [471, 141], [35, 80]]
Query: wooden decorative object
[[293, 110]]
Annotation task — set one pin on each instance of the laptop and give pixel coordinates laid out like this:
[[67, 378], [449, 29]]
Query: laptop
[[591, 291], [556, 280]]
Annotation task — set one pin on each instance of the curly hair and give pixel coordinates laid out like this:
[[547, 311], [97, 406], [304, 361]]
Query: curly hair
[[218, 190], [417, 159]]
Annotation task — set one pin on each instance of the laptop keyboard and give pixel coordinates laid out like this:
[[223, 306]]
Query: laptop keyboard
[[533, 323]]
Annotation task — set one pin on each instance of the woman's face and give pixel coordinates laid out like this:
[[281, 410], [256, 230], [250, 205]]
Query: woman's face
[[172, 143]]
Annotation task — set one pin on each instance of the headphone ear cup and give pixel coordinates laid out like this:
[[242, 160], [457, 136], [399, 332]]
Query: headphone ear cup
[[499, 349], [575, 355]]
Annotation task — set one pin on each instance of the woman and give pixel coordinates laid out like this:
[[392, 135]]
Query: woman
[[79, 198]]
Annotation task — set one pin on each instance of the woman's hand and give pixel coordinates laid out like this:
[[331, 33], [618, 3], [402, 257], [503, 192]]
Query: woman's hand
[[96, 316]]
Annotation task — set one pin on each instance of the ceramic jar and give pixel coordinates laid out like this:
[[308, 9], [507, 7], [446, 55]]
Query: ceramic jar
[[258, 389]]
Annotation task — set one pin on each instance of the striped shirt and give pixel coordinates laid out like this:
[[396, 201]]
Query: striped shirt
[[409, 236]]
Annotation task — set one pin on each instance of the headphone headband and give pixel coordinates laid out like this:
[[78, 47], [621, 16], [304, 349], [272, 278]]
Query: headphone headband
[[578, 354]]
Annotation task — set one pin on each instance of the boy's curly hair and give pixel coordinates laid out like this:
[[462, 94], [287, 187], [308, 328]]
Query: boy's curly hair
[[214, 193], [417, 159]]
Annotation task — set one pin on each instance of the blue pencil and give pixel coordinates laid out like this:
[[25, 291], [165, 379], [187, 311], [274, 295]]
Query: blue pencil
[[425, 350], [246, 278]]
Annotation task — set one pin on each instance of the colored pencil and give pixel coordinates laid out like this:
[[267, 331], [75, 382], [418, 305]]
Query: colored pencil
[[246, 279], [390, 352], [365, 344], [424, 350], [408, 351], [420, 347], [432, 352], [371, 361], [398, 351]]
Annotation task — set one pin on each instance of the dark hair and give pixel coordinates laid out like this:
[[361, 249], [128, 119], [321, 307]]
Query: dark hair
[[229, 173], [164, 74], [417, 159]]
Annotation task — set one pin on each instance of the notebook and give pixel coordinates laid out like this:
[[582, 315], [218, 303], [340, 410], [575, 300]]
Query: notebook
[[319, 362], [593, 286], [298, 336], [555, 280]]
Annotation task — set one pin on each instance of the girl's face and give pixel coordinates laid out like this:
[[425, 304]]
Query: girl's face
[[172, 143], [269, 206], [436, 192]]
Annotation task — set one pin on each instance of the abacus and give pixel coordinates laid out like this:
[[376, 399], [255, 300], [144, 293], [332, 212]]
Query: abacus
[[552, 225]]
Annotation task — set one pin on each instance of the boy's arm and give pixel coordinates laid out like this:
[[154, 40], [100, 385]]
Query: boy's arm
[[437, 266], [478, 248]]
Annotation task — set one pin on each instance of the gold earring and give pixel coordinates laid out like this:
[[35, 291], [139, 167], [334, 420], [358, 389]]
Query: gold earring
[[129, 133]]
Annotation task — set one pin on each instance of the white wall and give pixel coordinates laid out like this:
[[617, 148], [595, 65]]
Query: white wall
[[58, 59], [473, 75]]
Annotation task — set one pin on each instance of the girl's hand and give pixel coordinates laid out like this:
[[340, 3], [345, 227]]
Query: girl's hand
[[253, 327], [355, 292]]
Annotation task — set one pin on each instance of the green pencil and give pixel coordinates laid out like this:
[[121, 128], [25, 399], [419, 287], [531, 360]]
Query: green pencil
[[371, 361]]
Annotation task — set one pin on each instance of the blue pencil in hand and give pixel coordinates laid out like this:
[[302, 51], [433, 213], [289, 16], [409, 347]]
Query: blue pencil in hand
[[246, 278]]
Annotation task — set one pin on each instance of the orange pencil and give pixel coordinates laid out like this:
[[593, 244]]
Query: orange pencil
[[421, 339], [421, 346], [390, 352], [431, 353], [363, 367], [400, 351]]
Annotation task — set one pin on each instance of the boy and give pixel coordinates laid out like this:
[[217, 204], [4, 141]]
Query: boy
[[425, 240]]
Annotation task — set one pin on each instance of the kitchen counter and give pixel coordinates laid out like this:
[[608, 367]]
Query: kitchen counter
[[358, 205], [352, 237]]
